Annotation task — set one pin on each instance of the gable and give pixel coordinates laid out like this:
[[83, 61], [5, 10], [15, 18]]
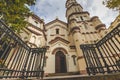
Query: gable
[[55, 23], [58, 39]]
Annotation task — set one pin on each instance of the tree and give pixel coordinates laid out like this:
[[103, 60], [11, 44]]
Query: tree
[[14, 12], [112, 4]]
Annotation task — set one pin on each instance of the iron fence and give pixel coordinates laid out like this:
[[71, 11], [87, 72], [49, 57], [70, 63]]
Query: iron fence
[[17, 59], [104, 56]]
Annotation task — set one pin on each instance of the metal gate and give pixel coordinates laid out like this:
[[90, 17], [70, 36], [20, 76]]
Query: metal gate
[[17, 59], [104, 56]]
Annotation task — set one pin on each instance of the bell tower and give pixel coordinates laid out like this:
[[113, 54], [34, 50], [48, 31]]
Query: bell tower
[[74, 15], [82, 29]]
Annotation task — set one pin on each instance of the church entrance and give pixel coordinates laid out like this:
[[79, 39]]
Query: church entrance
[[60, 62]]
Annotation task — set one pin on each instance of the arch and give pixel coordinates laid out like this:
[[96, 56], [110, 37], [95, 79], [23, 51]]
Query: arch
[[59, 49], [33, 39], [60, 62]]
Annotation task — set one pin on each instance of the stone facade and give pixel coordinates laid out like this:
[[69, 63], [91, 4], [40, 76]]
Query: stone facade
[[63, 40]]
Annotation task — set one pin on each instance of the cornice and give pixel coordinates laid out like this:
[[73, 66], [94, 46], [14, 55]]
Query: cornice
[[57, 25], [75, 4], [78, 13], [59, 39], [74, 29], [100, 26], [93, 18], [59, 49], [37, 18], [35, 27], [34, 32], [56, 20]]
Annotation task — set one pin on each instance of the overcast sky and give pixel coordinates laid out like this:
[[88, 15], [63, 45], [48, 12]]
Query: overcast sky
[[50, 9]]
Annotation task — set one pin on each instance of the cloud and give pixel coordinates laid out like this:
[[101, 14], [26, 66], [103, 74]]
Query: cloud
[[96, 8], [50, 9]]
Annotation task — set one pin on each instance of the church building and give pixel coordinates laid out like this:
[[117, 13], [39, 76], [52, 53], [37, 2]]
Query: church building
[[63, 40], [82, 48]]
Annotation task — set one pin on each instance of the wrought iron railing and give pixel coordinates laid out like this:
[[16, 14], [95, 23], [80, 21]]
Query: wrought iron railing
[[17, 59], [104, 56]]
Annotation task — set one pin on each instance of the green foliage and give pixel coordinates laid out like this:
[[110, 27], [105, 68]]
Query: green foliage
[[112, 4], [14, 12]]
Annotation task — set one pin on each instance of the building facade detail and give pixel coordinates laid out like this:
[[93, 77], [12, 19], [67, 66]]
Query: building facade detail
[[63, 39]]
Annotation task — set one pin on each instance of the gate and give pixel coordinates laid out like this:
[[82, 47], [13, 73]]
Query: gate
[[104, 56], [17, 59]]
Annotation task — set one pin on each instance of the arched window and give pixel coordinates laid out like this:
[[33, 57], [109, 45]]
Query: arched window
[[33, 39], [81, 18], [57, 31], [74, 57]]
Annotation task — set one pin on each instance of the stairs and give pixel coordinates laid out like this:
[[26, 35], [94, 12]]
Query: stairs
[[113, 76], [62, 74]]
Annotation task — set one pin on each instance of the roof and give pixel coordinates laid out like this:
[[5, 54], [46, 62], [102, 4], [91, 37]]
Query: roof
[[37, 18], [56, 20]]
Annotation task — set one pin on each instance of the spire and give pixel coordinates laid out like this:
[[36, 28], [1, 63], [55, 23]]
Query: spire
[[70, 2], [73, 7]]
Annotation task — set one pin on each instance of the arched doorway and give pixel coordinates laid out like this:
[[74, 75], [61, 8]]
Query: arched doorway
[[60, 62]]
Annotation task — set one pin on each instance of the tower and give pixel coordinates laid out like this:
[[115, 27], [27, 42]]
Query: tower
[[82, 29]]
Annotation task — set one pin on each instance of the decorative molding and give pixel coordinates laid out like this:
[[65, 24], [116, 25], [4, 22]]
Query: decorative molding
[[31, 44], [34, 32], [85, 12], [73, 47], [71, 20], [59, 39], [94, 17], [59, 49], [74, 29], [33, 26], [55, 27], [56, 20], [75, 32], [74, 5], [37, 18], [80, 57], [100, 26]]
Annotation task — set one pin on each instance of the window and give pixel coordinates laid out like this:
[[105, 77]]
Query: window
[[36, 22], [33, 39], [85, 26], [74, 60], [81, 18], [57, 31]]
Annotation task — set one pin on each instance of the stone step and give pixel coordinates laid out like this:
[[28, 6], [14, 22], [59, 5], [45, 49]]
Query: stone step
[[62, 74], [113, 76]]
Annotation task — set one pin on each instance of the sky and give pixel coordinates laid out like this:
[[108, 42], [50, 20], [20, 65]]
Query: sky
[[52, 9]]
